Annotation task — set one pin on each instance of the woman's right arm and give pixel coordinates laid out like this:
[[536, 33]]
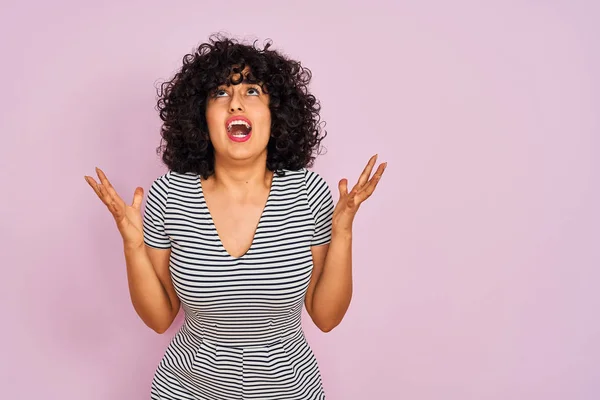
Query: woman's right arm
[[150, 287]]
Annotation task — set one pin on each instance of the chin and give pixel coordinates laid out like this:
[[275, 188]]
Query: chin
[[241, 154]]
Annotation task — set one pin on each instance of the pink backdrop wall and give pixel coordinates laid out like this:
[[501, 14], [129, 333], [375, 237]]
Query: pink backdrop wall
[[476, 263]]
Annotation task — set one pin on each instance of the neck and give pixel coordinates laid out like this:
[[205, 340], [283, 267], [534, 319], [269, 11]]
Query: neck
[[240, 178]]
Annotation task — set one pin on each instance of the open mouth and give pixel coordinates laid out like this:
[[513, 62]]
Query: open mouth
[[239, 129]]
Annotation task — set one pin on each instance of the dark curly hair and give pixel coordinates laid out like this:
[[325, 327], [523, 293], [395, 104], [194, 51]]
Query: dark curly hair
[[296, 127]]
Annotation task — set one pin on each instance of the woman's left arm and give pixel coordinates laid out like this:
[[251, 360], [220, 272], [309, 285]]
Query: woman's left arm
[[330, 290]]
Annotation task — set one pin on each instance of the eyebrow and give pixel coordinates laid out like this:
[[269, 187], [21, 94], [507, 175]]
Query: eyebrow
[[258, 84]]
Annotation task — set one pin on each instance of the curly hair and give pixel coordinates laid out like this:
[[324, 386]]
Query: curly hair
[[296, 127]]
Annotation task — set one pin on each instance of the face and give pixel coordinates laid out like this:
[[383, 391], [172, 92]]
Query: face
[[239, 121]]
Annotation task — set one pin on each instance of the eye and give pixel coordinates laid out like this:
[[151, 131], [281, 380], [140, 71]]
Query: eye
[[253, 91]]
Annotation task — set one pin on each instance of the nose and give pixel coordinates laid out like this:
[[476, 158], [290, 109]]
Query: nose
[[236, 102]]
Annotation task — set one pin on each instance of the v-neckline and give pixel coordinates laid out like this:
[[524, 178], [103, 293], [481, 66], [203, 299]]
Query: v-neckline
[[258, 225]]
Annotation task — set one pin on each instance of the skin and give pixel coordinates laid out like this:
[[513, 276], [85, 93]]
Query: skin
[[330, 289], [150, 286], [241, 183], [237, 192]]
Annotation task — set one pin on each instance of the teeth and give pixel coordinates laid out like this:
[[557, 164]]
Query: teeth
[[238, 122]]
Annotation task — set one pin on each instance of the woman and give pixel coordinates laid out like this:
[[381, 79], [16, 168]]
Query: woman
[[239, 232]]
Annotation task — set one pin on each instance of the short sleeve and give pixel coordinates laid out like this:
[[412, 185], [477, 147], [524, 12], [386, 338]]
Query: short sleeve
[[154, 214], [321, 205]]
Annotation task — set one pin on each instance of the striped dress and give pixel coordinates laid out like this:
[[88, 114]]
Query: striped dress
[[242, 337]]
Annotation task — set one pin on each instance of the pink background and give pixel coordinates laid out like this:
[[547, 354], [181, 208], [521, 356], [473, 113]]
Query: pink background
[[476, 262]]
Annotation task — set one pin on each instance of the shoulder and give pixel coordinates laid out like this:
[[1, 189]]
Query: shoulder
[[318, 193], [160, 185], [174, 181], [163, 180], [310, 181], [314, 181]]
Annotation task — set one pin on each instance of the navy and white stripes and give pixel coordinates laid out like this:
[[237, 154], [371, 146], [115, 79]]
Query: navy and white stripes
[[242, 336]]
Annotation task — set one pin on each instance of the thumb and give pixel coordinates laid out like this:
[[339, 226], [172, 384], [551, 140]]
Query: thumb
[[138, 195], [343, 187]]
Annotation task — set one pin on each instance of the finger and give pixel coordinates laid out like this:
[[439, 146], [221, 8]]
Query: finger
[[364, 177], [103, 179], [109, 187], [98, 188], [351, 202], [114, 209], [368, 190], [103, 185], [104, 194], [113, 203], [93, 185], [138, 195], [343, 187], [115, 196], [114, 206]]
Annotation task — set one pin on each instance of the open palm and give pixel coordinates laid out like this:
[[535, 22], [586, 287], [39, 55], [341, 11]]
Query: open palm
[[349, 202], [127, 217]]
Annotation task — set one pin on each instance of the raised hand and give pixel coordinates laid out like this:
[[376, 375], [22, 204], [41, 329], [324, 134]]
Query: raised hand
[[127, 217], [348, 204]]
